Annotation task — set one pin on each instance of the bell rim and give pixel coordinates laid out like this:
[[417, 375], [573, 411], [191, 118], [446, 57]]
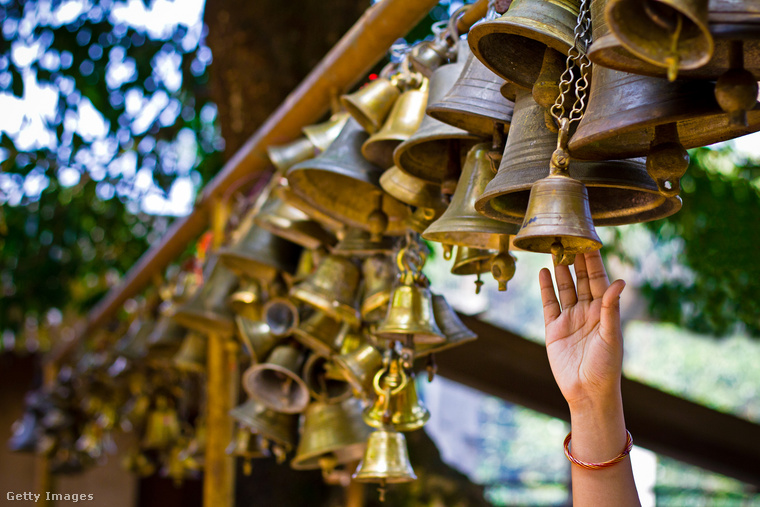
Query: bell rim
[[389, 479], [247, 265], [375, 149], [401, 153], [258, 369], [421, 336], [254, 424], [485, 237], [205, 321], [462, 118], [323, 397], [310, 461], [306, 233]]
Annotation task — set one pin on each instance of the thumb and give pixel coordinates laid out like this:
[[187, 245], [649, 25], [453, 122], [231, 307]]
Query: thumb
[[610, 315]]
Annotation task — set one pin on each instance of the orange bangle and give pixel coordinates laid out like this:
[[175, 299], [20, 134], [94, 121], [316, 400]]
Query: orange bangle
[[604, 464]]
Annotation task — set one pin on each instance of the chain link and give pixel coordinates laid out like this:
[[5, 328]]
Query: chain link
[[577, 60]]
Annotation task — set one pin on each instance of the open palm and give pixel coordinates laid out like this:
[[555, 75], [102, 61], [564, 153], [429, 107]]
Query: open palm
[[583, 336]]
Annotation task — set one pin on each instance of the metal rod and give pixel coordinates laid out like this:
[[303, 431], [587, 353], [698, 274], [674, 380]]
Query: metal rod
[[346, 63]]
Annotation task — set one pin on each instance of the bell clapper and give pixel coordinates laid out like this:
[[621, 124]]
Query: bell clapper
[[673, 60], [736, 90], [247, 467], [378, 220], [478, 281], [431, 367], [279, 454], [382, 489], [447, 251], [497, 146], [503, 264], [667, 160]]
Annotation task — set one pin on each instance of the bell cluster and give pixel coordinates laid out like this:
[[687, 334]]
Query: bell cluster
[[541, 124]]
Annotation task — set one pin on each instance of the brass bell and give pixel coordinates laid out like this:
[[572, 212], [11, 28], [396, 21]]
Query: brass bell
[[422, 218], [426, 56], [165, 339], [673, 34], [379, 275], [455, 331], [339, 182], [323, 134], [403, 120], [258, 254], [475, 102], [620, 191], [286, 155], [349, 340], [162, 427], [246, 301], [624, 109], [207, 310], [322, 385], [191, 356], [410, 190], [289, 196], [371, 103], [513, 45], [461, 224], [332, 434], [386, 460], [436, 149], [277, 383], [281, 315], [558, 220], [359, 243], [397, 404], [134, 345], [247, 445], [360, 366], [292, 224], [332, 288], [319, 333], [256, 338], [472, 261], [277, 427]]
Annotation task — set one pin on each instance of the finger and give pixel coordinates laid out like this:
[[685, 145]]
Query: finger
[[548, 297], [565, 286], [610, 316], [597, 275], [581, 279]]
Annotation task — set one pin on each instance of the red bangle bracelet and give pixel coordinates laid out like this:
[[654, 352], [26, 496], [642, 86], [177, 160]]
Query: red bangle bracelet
[[603, 464]]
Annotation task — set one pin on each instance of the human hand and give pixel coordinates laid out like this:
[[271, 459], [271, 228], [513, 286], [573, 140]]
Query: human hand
[[584, 340]]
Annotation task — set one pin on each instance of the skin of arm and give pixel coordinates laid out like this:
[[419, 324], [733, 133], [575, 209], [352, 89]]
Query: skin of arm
[[584, 343]]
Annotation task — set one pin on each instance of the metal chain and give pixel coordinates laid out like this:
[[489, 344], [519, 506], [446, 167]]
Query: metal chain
[[576, 59]]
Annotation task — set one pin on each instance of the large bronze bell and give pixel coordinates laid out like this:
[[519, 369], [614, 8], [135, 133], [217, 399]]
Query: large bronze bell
[[333, 434], [672, 34], [319, 333], [360, 366], [191, 356], [426, 154], [288, 222], [455, 331], [624, 109], [386, 460], [341, 183], [729, 21], [379, 276], [281, 316], [620, 191], [371, 103], [461, 224], [397, 404], [246, 301], [286, 155], [258, 254], [278, 427], [558, 220], [472, 261], [256, 338], [277, 383], [323, 134], [292, 198], [411, 190], [403, 120], [359, 243], [332, 288], [475, 102], [513, 45], [207, 311], [317, 373], [162, 427]]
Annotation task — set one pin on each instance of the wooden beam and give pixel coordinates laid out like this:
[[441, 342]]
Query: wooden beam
[[503, 364]]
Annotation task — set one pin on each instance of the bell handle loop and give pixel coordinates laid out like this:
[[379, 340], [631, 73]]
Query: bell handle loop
[[451, 35], [390, 391], [561, 158]]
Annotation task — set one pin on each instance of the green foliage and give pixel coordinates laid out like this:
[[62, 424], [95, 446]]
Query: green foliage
[[720, 246], [70, 206]]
